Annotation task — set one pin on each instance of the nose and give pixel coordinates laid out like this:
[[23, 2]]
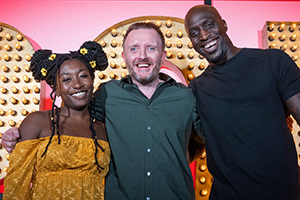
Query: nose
[[76, 83], [143, 53], [204, 34]]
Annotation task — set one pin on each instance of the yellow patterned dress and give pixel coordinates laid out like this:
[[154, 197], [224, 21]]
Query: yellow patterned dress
[[67, 171]]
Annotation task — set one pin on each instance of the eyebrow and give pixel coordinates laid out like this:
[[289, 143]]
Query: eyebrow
[[66, 73]]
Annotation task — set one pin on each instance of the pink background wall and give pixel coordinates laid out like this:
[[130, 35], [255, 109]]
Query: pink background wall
[[64, 25]]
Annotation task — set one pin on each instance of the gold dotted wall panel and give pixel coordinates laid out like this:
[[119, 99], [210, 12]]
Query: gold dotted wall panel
[[19, 92], [179, 51], [285, 36]]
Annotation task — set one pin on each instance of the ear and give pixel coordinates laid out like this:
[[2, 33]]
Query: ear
[[225, 25], [164, 54], [123, 55]]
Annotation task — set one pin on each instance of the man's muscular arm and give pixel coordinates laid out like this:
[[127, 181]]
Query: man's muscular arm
[[9, 139]]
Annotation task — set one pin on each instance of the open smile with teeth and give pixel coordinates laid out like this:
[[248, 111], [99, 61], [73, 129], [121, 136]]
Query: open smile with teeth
[[144, 65], [210, 44], [78, 94]]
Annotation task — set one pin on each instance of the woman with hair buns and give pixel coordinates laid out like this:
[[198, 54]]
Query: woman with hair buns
[[63, 152]]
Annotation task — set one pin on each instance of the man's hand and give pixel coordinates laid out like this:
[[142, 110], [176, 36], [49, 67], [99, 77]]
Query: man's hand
[[9, 139]]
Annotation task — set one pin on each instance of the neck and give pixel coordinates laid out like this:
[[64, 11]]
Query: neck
[[73, 113], [149, 89]]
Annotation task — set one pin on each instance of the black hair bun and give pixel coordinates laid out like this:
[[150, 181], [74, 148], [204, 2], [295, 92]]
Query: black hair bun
[[92, 54], [44, 65]]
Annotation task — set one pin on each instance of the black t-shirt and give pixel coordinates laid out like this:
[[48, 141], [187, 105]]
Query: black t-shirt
[[250, 151]]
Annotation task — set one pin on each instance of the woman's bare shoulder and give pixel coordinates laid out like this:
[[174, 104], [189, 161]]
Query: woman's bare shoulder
[[33, 124]]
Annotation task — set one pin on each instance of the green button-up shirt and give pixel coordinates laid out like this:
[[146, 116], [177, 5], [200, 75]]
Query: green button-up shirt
[[148, 139]]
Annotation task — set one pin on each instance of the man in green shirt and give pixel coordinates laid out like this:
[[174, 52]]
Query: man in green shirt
[[149, 122]]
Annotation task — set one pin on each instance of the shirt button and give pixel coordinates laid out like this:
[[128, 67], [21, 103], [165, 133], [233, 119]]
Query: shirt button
[[148, 173], [148, 150], [149, 128], [147, 198]]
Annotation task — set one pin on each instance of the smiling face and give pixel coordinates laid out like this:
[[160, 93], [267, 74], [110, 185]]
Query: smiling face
[[74, 84], [143, 55], [207, 32]]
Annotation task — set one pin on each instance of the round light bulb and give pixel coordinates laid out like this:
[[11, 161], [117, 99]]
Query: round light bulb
[[28, 57], [202, 65], [25, 89], [12, 100], [2, 112], [4, 68], [26, 78], [112, 64], [6, 57], [158, 23], [35, 100], [114, 32], [191, 54], [168, 33], [114, 43], [27, 68], [180, 55], [124, 32], [3, 90], [16, 68], [17, 57], [169, 54], [284, 46], [19, 37], [2, 101], [190, 77], [15, 79], [102, 43], [168, 23], [14, 89], [36, 89], [11, 112], [179, 33], [24, 112], [112, 75], [202, 179], [8, 36], [123, 65], [191, 65], [101, 75], [281, 27], [292, 27], [7, 47], [24, 100], [294, 47], [271, 27], [4, 79], [179, 44], [112, 54], [18, 46], [11, 122], [168, 43], [190, 45], [123, 74], [293, 37]]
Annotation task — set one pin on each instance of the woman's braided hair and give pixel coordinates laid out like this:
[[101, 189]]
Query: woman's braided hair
[[45, 66]]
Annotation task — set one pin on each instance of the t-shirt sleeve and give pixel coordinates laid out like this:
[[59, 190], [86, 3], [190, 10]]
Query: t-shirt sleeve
[[21, 169], [287, 75]]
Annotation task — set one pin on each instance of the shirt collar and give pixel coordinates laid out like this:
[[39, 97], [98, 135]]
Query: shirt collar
[[164, 77]]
